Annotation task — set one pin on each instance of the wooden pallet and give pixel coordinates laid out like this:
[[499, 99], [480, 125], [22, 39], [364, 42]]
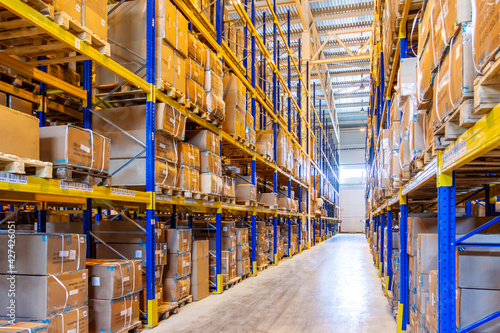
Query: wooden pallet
[[245, 276], [262, 267], [193, 107], [126, 95], [78, 175], [196, 195], [134, 328], [268, 158], [185, 301], [238, 138], [487, 87], [228, 200], [272, 207], [165, 190], [165, 310], [83, 33], [231, 283], [456, 122], [250, 145], [213, 197], [247, 203], [171, 91], [24, 166]]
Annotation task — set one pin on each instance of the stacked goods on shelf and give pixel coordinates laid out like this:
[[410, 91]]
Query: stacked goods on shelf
[[294, 238], [229, 187], [395, 247], [303, 234], [127, 29], [71, 147], [242, 252], [114, 287], [189, 165], [130, 241], [235, 102], [177, 272], [50, 279], [229, 252], [268, 245], [265, 144], [261, 245], [250, 135], [170, 126], [270, 200], [210, 161], [195, 72], [284, 151], [214, 86], [389, 20], [486, 36], [200, 284], [284, 202], [245, 191]]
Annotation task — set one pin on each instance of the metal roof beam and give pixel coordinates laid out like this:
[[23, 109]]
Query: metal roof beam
[[342, 59]]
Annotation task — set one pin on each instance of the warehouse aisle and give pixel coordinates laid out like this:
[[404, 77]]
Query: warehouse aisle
[[332, 287]]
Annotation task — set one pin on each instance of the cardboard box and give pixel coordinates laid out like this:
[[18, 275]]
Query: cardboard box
[[113, 279], [210, 183], [188, 155], [210, 163], [242, 251], [143, 296], [96, 17], [133, 252], [71, 7], [178, 265], [175, 290], [23, 327], [179, 240], [196, 50], [243, 267], [228, 229], [44, 254], [229, 188], [195, 93], [116, 231], [424, 73], [20, 105], [204, 140], [38, 297], [133, 173], [113, 315], [76, 320], [486, 31], [228, 243], [242, 236], [246, 192], [200, 286], [427, 253], [215, 106], [234, 123], [188, 179], [234, 92], [213, 63], [213, 84], [176, 27], [265, 148], [21, 137], [268, 199]]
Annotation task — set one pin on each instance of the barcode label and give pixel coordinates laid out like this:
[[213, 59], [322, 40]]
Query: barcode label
[[15, 179], [76, 186], [120, 191]]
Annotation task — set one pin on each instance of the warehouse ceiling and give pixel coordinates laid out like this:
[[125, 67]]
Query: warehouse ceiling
[[340, 33]]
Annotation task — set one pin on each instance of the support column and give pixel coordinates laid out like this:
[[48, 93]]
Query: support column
[[388, 280], [87, 124], [447, 284], [403, 310]]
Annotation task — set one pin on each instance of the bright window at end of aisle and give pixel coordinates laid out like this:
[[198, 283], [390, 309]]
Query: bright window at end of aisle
[[350, 174]]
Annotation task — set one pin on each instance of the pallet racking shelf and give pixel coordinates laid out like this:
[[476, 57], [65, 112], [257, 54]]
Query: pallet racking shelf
[[91, 200], [460, 173]]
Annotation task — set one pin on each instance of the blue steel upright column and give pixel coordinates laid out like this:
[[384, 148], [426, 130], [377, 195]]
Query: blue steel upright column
[[42, 117], [382, 226], [253, 168], [388, 280], [403, 308], [299, 136], [219, 12], [275, 139], [87, 123], [308, 198], [446, 249], [152, 302]]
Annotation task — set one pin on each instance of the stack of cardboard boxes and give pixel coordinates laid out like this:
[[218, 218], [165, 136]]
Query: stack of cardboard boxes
[[188, 163], [245, 191], [265, 143], [114, 287], [214, 86], [200, 283], [235, 102], [50, 270], [177, 272], [261, 244], [229, 186], [210, 161], [242, 252], [229, 253]]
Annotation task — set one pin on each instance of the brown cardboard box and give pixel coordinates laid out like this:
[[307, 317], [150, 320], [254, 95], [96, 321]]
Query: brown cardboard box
[[444, 18], [195, 93], [242, 236], [182, 34], [228, 258], [243, 266], [228, 188], [213, 84], [228, 243], [76, 320], [265, 148], [66, 145], [128, 233], [143, 296], [188, 155], [179, 240], [71, 7], [21, 136], [133, 173], [246, 192], [114, 279], [195, 71], [41, 296], [45, 254], [228, 229], [268, 199], [213, 63], [235, 121], [178, 265], [196, 50], [133, 252], [424, 74], [242, 251], [234, 92], [204, 140], [23, 327], [486, 31], [200, 286], [175, 290], [180, 73], [424, 26], [101, 149], [20, 105], [170, 11], [113, 315], [167, 64], [170, 121], [96, 17], [188, 179], [210, 163], [210, 183]]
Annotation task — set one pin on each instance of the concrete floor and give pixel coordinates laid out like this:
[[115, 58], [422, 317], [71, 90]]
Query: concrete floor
[[333, 287]]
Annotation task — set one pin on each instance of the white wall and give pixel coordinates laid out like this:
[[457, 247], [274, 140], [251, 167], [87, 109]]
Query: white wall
[[352, 189]]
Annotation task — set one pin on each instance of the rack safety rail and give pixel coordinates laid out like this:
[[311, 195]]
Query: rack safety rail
[[93, 199]]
